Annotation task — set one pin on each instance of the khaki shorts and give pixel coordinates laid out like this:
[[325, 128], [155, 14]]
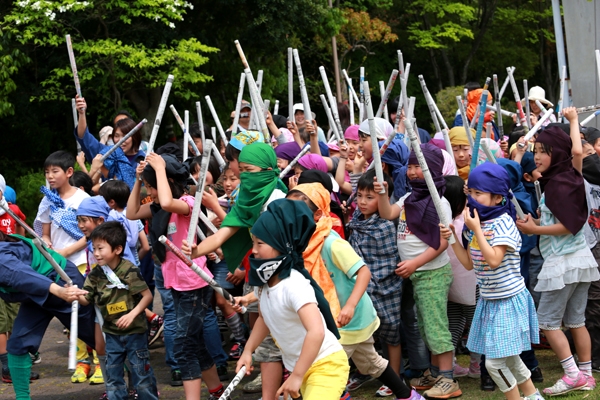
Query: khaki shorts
[[267, 351], [366, 358], [8, 313]]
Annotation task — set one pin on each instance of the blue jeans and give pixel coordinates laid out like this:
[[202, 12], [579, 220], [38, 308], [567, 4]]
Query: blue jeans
[[170, 317], [212, 338], [135, 348], [191, 352]]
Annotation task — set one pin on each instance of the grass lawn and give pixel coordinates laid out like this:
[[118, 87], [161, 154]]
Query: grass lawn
[[470, 387]]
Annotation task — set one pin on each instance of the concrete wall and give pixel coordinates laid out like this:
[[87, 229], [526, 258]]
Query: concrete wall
[[582, 29]]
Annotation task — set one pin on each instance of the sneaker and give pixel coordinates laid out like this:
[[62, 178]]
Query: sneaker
[[535, 396], [487, 383], [474, 370], [566, 385], [591, 383], [384, 391], [536, 375], [596, 368], [176, 378], [7, 379], [357, 380], [414, 395], [35, 358], [104, 396], [97, 378], [81, 372], [156, 327], [222, 372], [444, 388], [254, 386], [236, 351], [424, 382], [460, 372]]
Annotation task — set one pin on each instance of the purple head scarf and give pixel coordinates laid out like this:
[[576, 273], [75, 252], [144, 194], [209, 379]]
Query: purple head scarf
[[421, 217], [313, 161]]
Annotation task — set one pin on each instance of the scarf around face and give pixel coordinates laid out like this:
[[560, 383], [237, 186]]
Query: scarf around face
[[563, 186], [287, 226], [255, 190], [312, 254], [490, 178], [421, 216]]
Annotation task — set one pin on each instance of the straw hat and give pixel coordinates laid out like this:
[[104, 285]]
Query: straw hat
[[538, 93]]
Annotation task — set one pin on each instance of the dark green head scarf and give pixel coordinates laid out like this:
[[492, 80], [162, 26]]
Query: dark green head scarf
[[287, 226], [255, 189]]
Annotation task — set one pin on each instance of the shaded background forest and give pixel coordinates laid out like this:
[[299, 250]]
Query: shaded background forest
[[126, 49]]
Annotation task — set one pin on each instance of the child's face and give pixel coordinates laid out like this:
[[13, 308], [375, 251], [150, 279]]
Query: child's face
[[485, 198], [57, 177], [198, 143], [127, 145], [234, 165], [87, 224], [541, 158], [104, 254], [461, 155], [281, 163], [366, 200], [365, 144], [534, 176], [414, 172], [298, 171], [588, 150], [152, 192], [533, 107], [230, 181], [245, 167], [352, 148], [261, 250]]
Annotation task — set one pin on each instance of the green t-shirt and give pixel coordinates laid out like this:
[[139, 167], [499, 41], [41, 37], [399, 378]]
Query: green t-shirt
[[114, 303], [343, 264]]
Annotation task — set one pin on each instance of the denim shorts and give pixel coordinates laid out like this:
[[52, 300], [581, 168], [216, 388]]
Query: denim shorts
[[190, 349], [220, 271]]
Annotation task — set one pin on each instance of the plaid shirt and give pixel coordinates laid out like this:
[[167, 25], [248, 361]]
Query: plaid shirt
[[374, 240]]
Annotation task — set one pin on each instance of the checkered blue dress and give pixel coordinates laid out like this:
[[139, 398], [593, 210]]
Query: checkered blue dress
[[504, 327]]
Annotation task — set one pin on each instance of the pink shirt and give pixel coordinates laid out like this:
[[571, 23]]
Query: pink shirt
[[177, 275]]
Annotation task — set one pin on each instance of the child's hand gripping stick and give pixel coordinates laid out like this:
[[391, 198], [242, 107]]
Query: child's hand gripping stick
[[234, 382], [213, 284]]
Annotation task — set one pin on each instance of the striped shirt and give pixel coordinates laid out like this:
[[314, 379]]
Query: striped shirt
[[505, 280]]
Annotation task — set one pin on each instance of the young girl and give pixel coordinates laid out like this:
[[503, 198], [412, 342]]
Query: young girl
[[461, 149], [290, 309], [569, 265], [171, 211], [505, 322]]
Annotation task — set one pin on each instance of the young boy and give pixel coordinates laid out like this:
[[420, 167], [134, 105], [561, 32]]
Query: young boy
[[374, 240], [344, 277], [117, 288], [292, 306], [59, 224], [425, 261]]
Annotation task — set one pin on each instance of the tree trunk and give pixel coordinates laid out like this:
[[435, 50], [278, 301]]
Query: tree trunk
[[145, 102], [486, 18], [436, 69], [449, 68]]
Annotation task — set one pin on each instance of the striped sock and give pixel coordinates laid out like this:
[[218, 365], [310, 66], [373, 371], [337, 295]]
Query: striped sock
[[585, 367], [234, 322], [570, 367]]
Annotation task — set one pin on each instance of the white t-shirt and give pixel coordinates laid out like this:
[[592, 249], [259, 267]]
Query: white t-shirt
[[410, 246], [505, 280], [60, 238], [279, 306], [276, 195]]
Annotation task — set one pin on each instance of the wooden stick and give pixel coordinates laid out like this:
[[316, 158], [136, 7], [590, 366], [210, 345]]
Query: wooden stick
[[123, 139], [589, 118], [234, 382], [185, 127], [382, 109], [350, 87], [538, 191], [201, 273], [585, 109], [383, 148], [506, 81], [515, 90], [436, 117], [362, 94], [200, 122], [238, 104], [536, 127], [351, 104], [216, 118], [498, 108], [287, 169], [307, 112], [73, 65], [527, 108], [276, 108], [330, 117], [160, 112], [373, 133], [563, 77], [435, 196], [338, 131], [482, 104], [290, 55], [199, 191], [466, 126], [186, 134], [202, 237]]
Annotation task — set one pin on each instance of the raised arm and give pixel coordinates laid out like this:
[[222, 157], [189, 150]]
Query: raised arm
[[386, 210], [570, 114]]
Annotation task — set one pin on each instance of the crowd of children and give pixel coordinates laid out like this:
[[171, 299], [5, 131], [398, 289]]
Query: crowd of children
[[335, 268]]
